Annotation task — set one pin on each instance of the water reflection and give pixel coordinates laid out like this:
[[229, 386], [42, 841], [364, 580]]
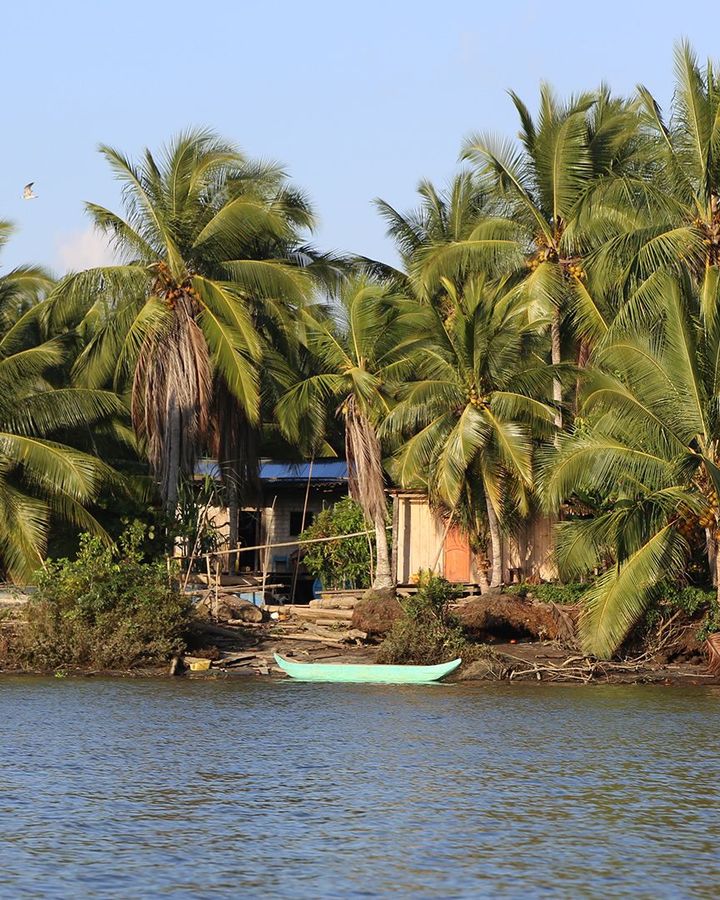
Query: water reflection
[[191, 789]]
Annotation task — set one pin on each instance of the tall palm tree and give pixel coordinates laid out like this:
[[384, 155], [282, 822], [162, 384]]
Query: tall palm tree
[[467, 418], [359, 356], [649, 445], [677, 225], [212, 270], [554, 204]]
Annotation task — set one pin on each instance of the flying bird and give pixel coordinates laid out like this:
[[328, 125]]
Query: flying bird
[[28, 193]]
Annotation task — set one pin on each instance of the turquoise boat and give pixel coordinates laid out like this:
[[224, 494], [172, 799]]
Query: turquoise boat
[[366, 674]]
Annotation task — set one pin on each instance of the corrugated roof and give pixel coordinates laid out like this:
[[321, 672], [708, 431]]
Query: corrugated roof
[[333, 470]]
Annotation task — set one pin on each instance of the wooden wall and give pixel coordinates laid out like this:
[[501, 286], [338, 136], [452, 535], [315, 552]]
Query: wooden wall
[[418, 536]]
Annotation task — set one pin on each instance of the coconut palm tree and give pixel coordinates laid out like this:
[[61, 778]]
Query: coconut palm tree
[[360, 353], [41, 477], [556, 206], [649, 445], [677, 224], [212, 270], [466, 420]]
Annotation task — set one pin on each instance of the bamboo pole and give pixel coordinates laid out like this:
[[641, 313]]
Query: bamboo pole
[[334, 537]]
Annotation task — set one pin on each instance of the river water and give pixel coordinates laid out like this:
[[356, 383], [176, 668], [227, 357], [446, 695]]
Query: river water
[[254, 788]]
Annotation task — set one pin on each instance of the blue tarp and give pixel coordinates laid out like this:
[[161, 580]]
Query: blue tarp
[[334, 470]]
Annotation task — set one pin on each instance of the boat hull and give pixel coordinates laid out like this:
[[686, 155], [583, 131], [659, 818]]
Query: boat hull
[[366, 674]]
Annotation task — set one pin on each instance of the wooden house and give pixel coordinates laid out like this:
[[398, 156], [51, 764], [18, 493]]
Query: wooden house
[[291, 495]]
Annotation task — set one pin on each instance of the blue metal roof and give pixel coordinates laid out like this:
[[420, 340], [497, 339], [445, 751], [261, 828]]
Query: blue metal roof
[[334, 470]]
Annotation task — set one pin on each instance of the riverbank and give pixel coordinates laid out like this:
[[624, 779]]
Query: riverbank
[[234, 648], [241, 652]]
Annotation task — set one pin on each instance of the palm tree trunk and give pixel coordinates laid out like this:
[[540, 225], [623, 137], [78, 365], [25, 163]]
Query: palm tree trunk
[[555, 351], [383, 571], [713, 557], [583, 357], [366, 484], [496, 575], [173, 450]]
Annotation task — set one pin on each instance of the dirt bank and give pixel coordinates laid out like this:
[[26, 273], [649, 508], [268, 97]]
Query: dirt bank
[[523, 641]]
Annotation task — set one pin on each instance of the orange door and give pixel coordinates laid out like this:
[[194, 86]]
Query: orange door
[[457, 557]]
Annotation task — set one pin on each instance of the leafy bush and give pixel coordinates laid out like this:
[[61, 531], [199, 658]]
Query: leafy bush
[[693, 601], [550, 593], [344, 563], [108, 608], [426, 634]]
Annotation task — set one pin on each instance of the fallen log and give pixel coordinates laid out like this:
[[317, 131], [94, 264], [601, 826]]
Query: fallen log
[[306, 612], [313, 639], [229, 658], [351, 634], [218, 630]]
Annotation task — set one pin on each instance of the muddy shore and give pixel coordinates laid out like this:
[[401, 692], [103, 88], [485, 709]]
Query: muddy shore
[[249, 654], [228, 648]]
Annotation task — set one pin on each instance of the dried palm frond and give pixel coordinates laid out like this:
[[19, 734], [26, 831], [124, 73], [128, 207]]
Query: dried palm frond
[[171, 395]]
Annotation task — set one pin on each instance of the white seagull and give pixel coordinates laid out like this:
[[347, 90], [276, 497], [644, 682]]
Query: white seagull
[[28, 192]]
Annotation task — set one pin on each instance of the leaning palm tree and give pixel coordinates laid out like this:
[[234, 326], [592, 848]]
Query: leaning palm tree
[[649, 445], [359, 355], [211, 269], [466, 421]]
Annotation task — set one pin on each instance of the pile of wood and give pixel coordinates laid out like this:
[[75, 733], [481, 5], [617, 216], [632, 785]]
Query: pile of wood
[[308, 634]]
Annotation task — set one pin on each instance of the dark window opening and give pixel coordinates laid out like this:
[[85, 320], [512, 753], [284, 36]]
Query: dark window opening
[[296, 521]]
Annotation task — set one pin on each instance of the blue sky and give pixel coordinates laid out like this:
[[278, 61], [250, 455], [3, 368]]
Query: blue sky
[[357, 100]]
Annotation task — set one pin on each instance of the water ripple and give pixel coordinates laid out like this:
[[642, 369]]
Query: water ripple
[[180, 789]]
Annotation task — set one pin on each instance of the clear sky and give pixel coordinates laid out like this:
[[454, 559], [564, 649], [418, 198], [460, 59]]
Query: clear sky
[[357, 100]]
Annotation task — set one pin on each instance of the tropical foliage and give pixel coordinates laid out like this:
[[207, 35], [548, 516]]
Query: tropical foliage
[[344, 563], [548, 340]]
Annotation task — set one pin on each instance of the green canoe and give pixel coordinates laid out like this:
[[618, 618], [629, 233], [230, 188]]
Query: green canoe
[[370, 674]]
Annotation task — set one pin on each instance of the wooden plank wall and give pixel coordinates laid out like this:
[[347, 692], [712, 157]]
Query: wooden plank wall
[[419, 534]]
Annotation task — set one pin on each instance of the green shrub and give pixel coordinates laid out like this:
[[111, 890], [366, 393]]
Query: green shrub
[[550, 593], [107, 609], [426, 634], [344, 563], [693, 601]]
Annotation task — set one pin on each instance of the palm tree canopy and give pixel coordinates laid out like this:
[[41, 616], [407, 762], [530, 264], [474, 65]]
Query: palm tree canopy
[[475, 400], [212, 273], [648, 442]]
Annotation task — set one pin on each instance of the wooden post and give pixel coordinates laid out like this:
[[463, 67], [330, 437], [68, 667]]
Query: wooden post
[[267, 553], [209, 574], [394, 537]]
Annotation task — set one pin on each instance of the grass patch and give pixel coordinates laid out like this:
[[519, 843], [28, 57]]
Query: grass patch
[[550, 593]]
